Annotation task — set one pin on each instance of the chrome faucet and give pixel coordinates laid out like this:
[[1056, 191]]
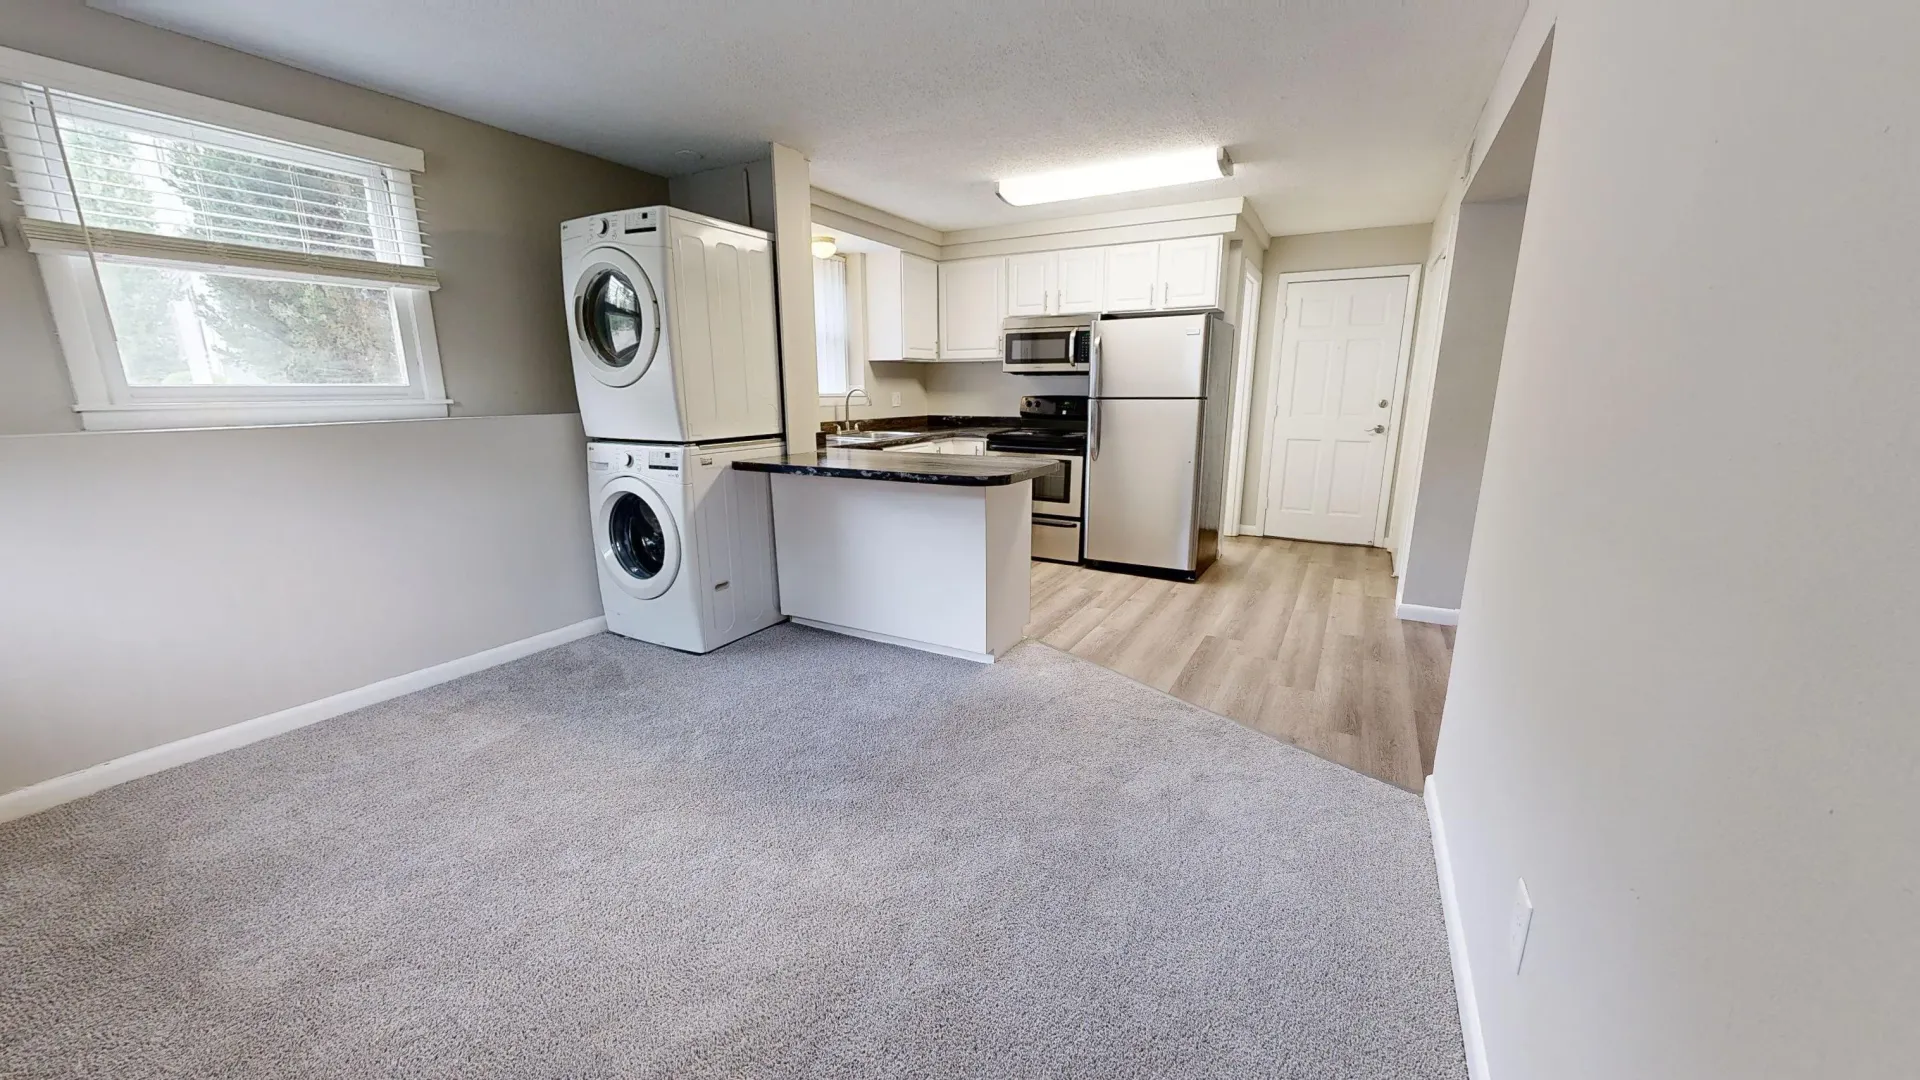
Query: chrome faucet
[[847, 420]]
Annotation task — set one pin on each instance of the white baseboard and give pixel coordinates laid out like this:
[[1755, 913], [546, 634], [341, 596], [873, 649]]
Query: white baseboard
[[889, 639], [1456, 940], [74, 785], [1442, 616]]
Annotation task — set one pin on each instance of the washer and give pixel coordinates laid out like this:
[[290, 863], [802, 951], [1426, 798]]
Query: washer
[[683, 542], [670, 315]]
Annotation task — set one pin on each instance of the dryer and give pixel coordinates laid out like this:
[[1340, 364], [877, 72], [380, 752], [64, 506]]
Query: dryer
[[683, 542], [670, 315]]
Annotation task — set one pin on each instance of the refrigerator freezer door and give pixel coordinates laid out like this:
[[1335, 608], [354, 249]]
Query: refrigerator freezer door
[[1161, 356], [1141, 505]]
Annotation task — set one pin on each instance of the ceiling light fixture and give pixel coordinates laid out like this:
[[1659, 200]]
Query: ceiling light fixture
[[824, 247], [1113, 177]]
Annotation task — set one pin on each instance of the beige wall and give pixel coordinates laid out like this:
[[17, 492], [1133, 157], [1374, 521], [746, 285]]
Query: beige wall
[[1353, 249], [1682, 702], [494, 203], [1390, 246]]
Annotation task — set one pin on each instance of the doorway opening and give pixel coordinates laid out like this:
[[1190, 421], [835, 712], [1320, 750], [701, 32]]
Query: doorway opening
[[1452, 389]]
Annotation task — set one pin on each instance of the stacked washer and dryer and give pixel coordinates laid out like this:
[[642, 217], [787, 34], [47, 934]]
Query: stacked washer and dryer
[[674, 356]]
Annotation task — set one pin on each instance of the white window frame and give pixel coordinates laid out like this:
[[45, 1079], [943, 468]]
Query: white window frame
[[102, 396], [852, 375]]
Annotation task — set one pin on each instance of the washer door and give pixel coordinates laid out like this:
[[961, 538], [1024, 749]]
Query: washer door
[[635, 535], [616, 317]]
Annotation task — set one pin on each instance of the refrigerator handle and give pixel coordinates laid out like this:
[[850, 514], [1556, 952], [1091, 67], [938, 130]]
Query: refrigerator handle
[[1093, 429], [1093, 360]]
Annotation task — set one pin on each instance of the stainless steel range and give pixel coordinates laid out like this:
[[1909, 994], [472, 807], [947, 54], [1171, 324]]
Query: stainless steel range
[[1056, 428]]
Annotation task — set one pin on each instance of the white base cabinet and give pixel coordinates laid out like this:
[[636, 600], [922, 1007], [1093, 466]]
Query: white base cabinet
[[941, 569]]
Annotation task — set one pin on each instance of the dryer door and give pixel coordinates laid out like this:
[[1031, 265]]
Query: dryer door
[[615, 317], [638, 542]]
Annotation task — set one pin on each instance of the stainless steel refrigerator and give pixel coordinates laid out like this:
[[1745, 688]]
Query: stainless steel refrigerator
[[1156, 432]]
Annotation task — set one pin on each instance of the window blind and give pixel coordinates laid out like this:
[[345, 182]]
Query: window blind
[[830, 323], [116, 182]]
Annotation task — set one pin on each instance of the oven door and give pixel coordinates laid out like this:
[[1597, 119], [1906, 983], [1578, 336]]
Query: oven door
[[1052, 351], [1056, 494]]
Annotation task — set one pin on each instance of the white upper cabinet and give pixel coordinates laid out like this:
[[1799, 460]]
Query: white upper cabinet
[[1190, 272], [903, 306], [921, 310], [1133, 277], [972, 306], [1031, 281], [1080, 281], [921, 307]]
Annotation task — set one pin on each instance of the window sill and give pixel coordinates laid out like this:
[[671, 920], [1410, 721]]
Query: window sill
[[153, 416]]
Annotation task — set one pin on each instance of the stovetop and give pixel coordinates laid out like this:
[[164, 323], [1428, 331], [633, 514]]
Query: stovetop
[[1064, 441]]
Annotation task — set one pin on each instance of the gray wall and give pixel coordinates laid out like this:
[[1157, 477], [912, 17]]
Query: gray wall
[[1485, 249], [1682, 703], [1353, 249], [161, 584], [494, 203]]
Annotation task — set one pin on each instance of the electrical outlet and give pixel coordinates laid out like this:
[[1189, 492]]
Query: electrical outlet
[[1520, 924], [896, 399]]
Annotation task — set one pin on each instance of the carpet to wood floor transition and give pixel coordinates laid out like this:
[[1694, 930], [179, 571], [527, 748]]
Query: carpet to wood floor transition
[[802, 856]]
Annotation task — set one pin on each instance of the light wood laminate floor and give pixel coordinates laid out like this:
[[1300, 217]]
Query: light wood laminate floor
[[1294, 639]]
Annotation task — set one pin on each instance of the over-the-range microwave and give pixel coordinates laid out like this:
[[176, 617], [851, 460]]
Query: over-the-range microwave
[[1046, 344]]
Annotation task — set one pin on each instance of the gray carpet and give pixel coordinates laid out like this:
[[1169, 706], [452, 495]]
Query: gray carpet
[[802, 856]]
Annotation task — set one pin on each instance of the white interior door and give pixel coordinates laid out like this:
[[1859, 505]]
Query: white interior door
[[1334, 403]]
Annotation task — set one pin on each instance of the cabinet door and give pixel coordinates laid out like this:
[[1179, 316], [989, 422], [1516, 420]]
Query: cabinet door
[[972, 298], [1030, 284], [1133, 277], [1080, 281], [920, 308], [1190, 272]]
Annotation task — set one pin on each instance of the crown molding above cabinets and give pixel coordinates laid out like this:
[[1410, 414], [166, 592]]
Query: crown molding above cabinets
[[1231, 218]]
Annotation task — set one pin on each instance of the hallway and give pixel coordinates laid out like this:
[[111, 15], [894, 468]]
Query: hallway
[[1294, 639]]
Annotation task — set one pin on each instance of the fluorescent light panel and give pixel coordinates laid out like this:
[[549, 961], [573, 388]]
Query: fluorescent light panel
[[1114, 177]]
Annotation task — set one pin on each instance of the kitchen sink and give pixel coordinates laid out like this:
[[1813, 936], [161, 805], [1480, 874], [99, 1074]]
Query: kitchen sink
[[861, 438]]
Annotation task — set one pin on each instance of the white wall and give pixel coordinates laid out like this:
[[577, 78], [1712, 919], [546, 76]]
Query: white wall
[[1682, 703], [1459, 394], [1355, 248], [982, 389], [163, 584]]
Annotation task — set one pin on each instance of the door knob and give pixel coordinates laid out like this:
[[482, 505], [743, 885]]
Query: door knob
[[1378, 429]]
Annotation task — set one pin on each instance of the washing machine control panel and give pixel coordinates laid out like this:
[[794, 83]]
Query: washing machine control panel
[[661, 460]]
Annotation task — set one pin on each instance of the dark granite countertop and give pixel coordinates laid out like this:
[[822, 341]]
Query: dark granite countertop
[[906, 438], [953, 470]]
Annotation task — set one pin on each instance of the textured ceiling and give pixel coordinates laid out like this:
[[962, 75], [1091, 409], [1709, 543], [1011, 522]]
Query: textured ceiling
[[1341, 113]]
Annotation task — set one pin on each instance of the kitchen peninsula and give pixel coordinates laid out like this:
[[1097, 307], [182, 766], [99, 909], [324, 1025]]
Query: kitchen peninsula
[[928, 551]]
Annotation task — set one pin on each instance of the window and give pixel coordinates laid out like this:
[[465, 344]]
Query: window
[[204, 275], [831, 320]]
